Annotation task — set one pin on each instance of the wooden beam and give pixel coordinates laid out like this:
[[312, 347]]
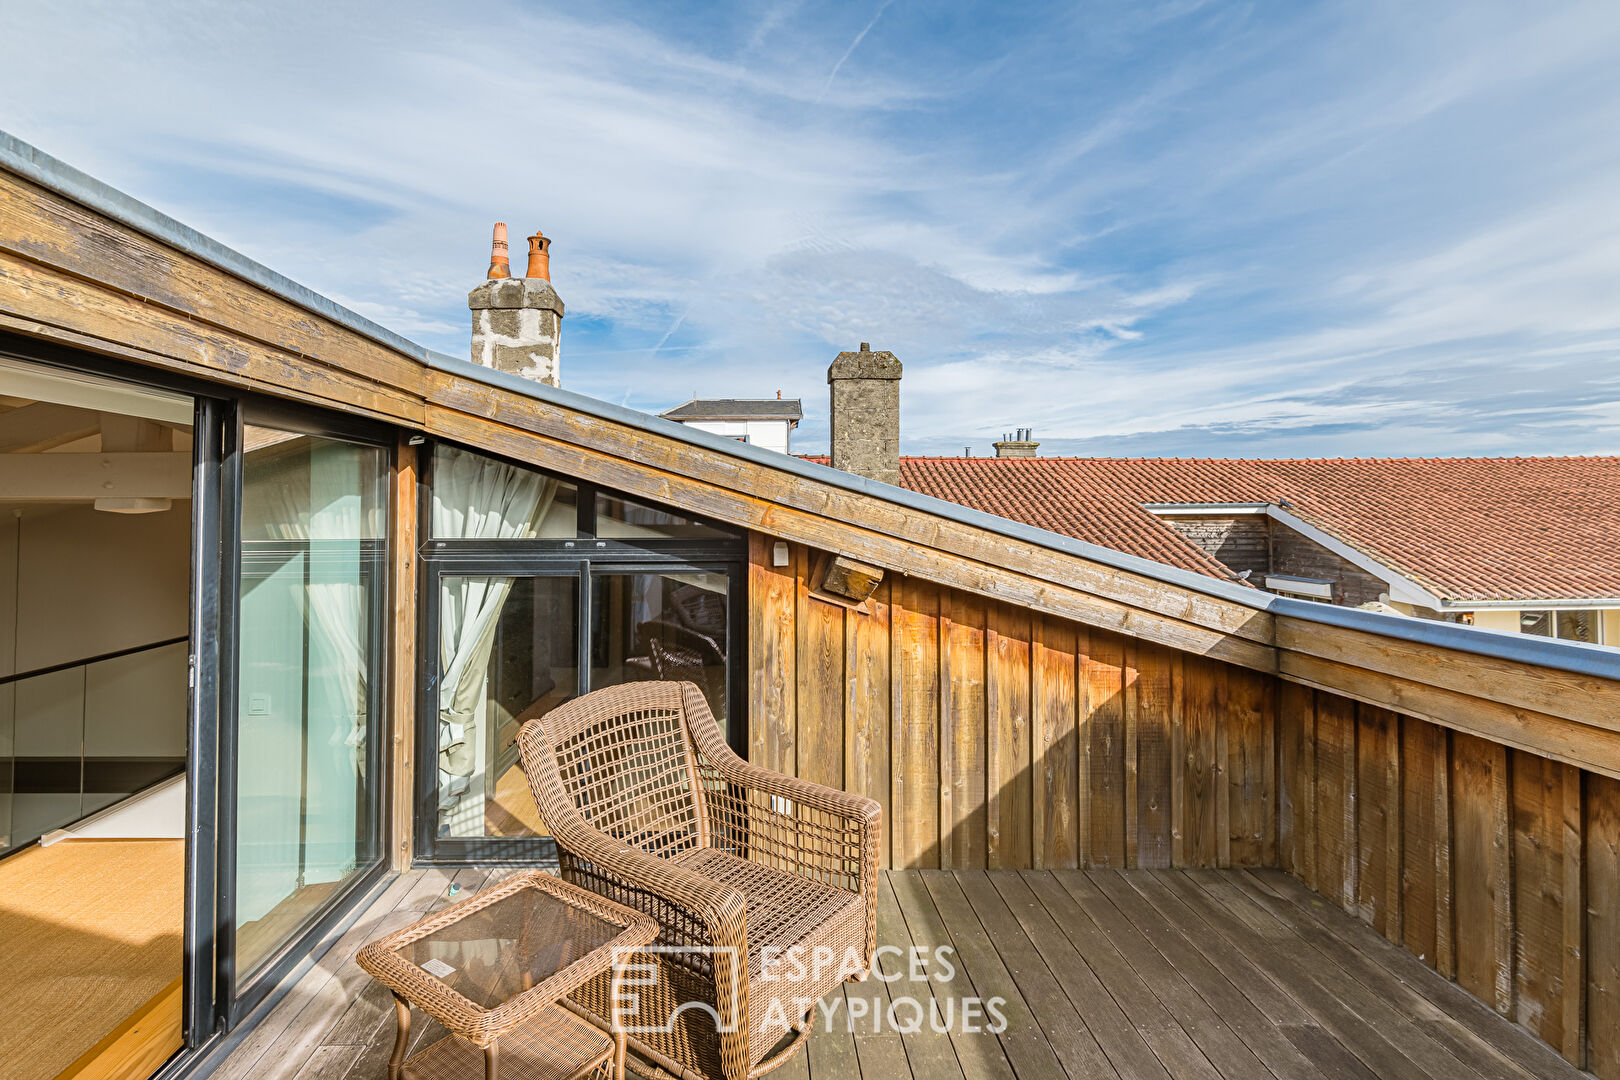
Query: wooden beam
[[82, 477], [404, 536], [1597, 749], [42, 425], [1566, 694]]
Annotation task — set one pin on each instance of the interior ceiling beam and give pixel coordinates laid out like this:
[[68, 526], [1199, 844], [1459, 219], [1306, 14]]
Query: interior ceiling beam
[[43, 425], [82, 477]]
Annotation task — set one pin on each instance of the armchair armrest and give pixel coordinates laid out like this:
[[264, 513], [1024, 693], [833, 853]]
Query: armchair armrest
[[815, 831]]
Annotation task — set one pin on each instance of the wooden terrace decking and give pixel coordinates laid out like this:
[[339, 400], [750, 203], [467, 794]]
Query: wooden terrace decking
[[1134, 973]]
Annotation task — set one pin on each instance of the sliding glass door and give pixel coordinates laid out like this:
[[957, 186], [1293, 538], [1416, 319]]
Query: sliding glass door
[[310, 633]]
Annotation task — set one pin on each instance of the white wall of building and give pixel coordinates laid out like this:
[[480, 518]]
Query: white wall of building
[[771, 434]]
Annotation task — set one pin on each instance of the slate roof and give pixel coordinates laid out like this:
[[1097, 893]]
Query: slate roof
[[1467, 529], [737, 409]]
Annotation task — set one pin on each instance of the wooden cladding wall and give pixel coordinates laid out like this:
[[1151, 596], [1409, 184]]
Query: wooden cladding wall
[[1498, 867], [1000, 738]]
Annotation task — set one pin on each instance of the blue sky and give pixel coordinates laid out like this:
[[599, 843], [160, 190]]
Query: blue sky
[[1139, 228]]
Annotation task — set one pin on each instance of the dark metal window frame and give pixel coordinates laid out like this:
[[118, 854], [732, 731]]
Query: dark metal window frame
[[240, 995], [582, 557]]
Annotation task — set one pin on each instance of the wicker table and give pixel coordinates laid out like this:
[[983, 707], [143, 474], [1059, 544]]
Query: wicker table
[[494, 968]]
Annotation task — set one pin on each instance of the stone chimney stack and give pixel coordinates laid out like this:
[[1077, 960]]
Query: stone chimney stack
[[1019, 444], [517, 322], [866, 413]]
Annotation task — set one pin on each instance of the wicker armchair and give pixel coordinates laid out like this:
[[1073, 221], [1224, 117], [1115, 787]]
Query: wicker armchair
[[764, 885]]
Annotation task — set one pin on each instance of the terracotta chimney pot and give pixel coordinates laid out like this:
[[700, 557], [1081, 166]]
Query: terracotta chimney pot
[[539, 257], [500, 260]]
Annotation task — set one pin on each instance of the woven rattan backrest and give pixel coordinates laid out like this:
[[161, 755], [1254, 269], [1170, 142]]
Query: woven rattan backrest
[[623, 758]]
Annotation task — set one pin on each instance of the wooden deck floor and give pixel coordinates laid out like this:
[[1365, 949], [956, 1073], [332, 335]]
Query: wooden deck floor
[[1106, 973]]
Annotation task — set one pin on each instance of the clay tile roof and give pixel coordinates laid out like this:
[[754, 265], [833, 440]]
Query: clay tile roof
[[1464, 528], [737, 409]]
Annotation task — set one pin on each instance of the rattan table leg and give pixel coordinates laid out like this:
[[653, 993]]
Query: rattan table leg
[[402, 1011]]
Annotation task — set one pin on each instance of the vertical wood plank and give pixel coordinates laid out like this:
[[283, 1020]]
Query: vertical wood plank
[[944, 742], [1179, 812], [402, 671], [1296, 745], [821, 694], [1202, 702], [994, 769], [1481, 854], [1425, 828], [1154, 690], [1546, 863], [867, 717], [1055, 753], [968, 721], [917, 812], [773, 655], [1249, 764], [1012, 780], [1602, 864], [1336, 799], [1378, 820], [895, 810], [1128, 700], [1104, 678], [1573, 1044], [1445, 885]]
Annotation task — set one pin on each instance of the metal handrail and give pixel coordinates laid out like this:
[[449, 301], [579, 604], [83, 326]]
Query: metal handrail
[[87, 661]]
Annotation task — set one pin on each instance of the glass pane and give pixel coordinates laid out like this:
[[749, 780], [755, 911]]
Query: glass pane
[[478, 498], [1539, 623], [661, 626], [500, 950], [314, 575], [618, 518], [508, 652], [1578, 626]]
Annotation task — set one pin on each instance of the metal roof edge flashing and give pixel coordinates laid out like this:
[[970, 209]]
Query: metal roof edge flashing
[[33, 164]]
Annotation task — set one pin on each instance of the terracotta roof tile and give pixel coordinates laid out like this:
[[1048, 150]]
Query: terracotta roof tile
[[1465, 528]]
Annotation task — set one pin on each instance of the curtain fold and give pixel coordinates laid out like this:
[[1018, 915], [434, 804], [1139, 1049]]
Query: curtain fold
[[474, 498]]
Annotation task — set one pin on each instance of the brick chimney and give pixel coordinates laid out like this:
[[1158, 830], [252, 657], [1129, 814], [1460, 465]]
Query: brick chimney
[[1020, 444], [517, 322], [866, 413]]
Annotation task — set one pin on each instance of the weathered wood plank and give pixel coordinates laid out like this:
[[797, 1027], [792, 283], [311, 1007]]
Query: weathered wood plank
[[1249, 763], [1103, 675], [1480, 858], [917, 811], [1546, 863], [773, 656], [1009, 800], [1055, 745], [1336, 862], [1000, 935], [1592, 748], [1583, 698], [1155, 705], [968, 722], [866, 708], [1170, 1042], [927, 1054], [821, 695], [1426, 846], [979, 1053], [1296, 797], [1602, 859], [1378, 819], [1203, 701]]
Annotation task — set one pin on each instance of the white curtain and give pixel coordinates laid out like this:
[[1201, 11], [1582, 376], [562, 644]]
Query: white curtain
[[474, 498]]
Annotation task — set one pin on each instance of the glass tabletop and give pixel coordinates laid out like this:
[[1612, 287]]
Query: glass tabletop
[[496, 952]]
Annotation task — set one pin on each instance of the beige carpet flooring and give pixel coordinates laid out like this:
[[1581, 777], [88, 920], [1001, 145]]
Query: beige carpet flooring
[[89, 935]]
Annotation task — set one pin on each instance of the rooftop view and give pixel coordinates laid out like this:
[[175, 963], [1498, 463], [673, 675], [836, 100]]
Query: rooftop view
[[842, 541]]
